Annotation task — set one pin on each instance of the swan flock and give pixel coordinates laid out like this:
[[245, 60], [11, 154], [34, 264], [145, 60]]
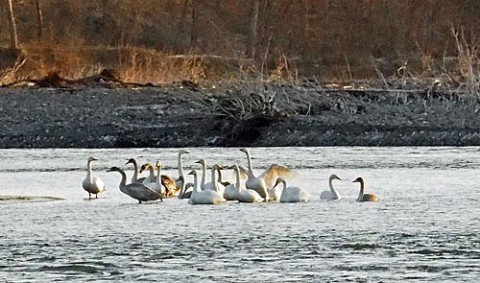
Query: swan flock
[[247, 187]]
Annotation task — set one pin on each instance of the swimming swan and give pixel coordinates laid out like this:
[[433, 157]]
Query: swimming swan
[[204, 197], [292, 194], [332, 193], [213, 185], [180, 168], [264, 181], [135, 178], [92, 184], [364, 197], [135, 190], [243, 194]]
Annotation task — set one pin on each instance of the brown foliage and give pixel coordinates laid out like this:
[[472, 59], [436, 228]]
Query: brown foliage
[[340, 39]]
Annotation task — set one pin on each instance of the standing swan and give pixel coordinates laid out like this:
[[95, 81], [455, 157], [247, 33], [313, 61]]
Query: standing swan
[[204, 197], [162, 183], [265, 180], [135, 190], [292, 194], [135, 178], [332, 193], [91, 184], [243, 195], [364, 197]]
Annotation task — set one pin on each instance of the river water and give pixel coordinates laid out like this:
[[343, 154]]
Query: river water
[[426, 227]]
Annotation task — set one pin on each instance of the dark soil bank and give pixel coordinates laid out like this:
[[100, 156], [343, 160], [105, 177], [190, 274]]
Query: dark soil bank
[[276, 115]]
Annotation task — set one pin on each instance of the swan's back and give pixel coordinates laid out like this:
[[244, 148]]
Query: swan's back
[[248, 196], [139, 192], [329, 195], [94, 187], [206, 197], [294, 194], [230, 192], [369, 197]]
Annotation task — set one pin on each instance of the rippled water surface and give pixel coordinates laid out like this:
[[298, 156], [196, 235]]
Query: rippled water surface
[[425, 228]]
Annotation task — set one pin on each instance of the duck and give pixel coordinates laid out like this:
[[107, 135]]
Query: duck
[[292, 194], [136, 191], [213, 185], [362, 197], [135, 178], [92, 184], [205, 196], [262, 183], [332, 193], [243, 194]]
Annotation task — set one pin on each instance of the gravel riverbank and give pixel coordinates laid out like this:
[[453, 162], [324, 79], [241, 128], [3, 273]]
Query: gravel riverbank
[[275, 115]]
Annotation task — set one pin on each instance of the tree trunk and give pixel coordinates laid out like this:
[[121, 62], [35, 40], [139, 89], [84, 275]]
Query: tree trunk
[[252, 29], [38, 7], [194, 28], [13, 26]]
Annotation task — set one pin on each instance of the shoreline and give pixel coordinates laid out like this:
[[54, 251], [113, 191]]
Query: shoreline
[[230, 116]]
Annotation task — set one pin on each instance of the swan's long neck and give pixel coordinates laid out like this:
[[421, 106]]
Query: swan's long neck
[[220, 179], [204, 173], [214, 180], [284, 191], [237, 179], [180, 168], [195, 184], [152, 172], [332, 189], [249, 159], [89, 170], [123, 182], [182, 188], [159, 176], [362, 187], [135, 171]]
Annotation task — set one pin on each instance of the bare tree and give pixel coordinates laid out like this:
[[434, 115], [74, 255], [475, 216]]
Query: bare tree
[[194, 28], [38, 7], [13, 26], [252, 29]]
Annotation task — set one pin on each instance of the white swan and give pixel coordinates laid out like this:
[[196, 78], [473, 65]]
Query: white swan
[[243, 194], [151, 176], [156, 185], [180, 167], [92, 184], [292, 194], [362, 196], [135, 178], [135, 190], [162, 183], [332, 193], [204, 197], [264, 181], [213, 185]]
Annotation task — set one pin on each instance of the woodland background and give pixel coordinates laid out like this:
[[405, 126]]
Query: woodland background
[[151, 41]]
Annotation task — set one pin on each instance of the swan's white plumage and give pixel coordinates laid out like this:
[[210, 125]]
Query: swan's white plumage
[[213, 185], [331, 194], [243, 194], [292, 194], [264, 182], [92, 184], [205, 196]]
